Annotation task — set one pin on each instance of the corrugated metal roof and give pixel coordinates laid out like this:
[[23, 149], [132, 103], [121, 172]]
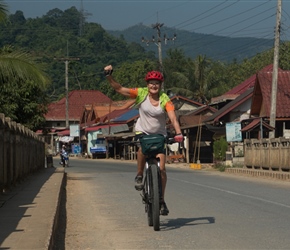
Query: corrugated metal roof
[[109, 128], [127, 116], [191, 121]]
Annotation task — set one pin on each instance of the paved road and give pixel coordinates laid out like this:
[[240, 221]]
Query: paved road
[[208, 210]]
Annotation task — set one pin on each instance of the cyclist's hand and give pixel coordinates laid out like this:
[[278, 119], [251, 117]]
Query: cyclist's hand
[[178, 138], [108, 70]]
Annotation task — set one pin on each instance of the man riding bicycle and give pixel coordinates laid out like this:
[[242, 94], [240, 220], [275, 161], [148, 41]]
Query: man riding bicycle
[[153, 105]]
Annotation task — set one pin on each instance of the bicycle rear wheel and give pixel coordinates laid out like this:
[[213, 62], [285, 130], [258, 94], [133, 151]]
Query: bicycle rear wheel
[[155, 197]]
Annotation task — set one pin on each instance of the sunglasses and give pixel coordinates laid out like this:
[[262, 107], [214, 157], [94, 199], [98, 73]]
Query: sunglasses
[[155, 83]]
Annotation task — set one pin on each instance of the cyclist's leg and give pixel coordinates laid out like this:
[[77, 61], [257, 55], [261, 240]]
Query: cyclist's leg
[[141, 159], [163, 173], [163, 207]]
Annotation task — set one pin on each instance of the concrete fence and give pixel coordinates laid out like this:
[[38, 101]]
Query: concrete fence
[[21, 152], [267, 154]]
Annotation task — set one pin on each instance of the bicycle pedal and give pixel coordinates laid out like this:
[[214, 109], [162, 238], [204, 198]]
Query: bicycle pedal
[[143, 199]]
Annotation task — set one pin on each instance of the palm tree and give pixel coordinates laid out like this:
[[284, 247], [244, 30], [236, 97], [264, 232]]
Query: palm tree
[[17, 65], [201, 66], [22, 84], [3, 11]]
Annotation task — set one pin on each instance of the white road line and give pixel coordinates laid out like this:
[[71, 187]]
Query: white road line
[[233, 193]]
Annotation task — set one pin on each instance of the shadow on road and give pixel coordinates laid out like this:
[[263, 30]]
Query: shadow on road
[[15, 203], [182, 222]]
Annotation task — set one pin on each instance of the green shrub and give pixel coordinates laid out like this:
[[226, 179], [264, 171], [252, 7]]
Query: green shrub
[[220, 147], [220, 166]]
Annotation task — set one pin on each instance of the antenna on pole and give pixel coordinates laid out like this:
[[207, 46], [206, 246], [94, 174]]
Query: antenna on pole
[[83, 16]]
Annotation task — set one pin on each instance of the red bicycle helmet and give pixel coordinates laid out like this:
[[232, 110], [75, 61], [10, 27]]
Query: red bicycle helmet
[[154, 75]]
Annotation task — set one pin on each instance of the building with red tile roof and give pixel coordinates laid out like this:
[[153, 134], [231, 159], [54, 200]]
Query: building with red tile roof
[[77, 100], [241, 88], [261, 104], [261, 100]]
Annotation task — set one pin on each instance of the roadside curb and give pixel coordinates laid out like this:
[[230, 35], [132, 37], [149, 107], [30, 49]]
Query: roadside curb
[[284, 176], [55, 218]]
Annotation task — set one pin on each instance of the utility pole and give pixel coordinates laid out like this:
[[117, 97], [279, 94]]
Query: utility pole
[[275, 70], [66, 61], [158, 26]]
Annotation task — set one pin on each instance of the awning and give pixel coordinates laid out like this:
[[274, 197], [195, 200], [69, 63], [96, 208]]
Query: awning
[[63, 133], [66, 139], [216, 130], [119, 135], [109, 129], [256, 123]]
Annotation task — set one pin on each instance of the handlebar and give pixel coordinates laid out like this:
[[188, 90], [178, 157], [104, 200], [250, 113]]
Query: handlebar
[[170, 140]]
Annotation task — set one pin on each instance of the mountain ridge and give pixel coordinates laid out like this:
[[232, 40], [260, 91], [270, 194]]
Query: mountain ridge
[[221, 48]]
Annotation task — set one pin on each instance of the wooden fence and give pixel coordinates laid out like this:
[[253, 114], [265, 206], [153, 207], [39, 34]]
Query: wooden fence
[[21, 152], [267, 154]]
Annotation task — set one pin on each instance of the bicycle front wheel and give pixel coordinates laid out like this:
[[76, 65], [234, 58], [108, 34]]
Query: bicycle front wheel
[[146, 194], [155, 197]]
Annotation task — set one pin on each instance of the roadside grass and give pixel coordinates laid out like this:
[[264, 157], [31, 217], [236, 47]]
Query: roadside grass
[[221, 166]]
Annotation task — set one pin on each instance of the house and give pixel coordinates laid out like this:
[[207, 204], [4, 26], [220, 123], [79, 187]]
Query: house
[[97, 120], [261, 105], [234, 113], [112, 128], [239, 109], [232, 94], [77, 99], [198, 137]]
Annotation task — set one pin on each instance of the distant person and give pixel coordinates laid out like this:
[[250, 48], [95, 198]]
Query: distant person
[[62, 152]]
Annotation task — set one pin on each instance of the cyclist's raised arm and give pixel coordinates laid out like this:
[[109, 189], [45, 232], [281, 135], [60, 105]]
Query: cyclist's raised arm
[[108, 70]]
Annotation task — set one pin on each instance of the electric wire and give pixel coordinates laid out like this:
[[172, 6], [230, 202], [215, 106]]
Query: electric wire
[[234, 16], [176, 26], [210, 14]]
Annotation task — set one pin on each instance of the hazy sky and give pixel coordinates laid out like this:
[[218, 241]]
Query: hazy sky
[[253, 18]]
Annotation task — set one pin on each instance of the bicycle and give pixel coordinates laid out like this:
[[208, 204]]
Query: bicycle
[[152, 189]]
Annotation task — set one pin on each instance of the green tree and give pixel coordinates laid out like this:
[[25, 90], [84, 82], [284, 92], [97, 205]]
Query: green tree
[[22, 84], [22, 95], [3, 11], [201, 73], [178, 71]]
